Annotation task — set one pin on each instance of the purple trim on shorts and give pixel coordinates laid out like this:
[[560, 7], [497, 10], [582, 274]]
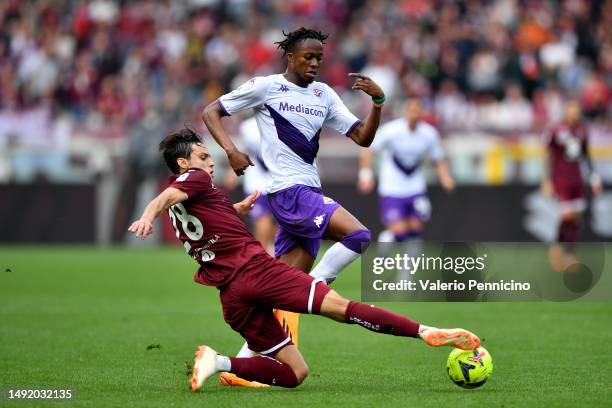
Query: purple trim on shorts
[[357, 241], [224, 111], [293, 138], [353, 126], [407, 170]]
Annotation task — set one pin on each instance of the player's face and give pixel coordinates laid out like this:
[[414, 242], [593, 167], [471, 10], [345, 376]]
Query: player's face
[[200, 159], [413, 111], [305, 60], [573, 112]]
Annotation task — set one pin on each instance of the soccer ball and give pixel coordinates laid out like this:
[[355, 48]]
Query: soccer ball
[[469, 368]]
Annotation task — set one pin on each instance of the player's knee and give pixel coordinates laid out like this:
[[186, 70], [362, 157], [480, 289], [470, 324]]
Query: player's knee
[[301, 372], [357, 241], [301, 375]]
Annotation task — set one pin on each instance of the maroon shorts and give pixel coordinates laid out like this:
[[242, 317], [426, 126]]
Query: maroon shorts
[[264, 284], [569, 191]]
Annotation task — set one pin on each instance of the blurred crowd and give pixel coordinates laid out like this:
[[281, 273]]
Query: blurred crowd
[[118, 67]]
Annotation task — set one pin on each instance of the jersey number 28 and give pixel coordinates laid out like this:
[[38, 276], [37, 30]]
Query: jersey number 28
[[191, 226]]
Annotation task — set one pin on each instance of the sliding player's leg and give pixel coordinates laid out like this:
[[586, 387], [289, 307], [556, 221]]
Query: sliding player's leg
[[286, 368], [384, 321], [301, 293], [278, 361]]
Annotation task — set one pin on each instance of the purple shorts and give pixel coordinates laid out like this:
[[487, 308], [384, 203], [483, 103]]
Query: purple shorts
[[261, 208], [394, 209], [302, 214]]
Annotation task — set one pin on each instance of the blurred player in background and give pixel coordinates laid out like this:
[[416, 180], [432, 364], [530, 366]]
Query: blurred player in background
[[251, 282], [405, 144], [291, 110], [567, 147], [256, 179]]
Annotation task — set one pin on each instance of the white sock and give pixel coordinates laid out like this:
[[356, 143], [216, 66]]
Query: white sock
[[223, 363], [386, 236], [246, 352], [334, 261], [413, 248]]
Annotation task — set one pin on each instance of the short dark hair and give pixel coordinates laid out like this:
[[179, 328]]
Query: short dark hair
[[176, 145], [295, 37]]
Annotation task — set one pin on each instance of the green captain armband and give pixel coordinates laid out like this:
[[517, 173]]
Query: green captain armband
[[377, 101]]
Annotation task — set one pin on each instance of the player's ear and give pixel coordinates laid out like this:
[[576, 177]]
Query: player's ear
[[183, 163], [289, 58]]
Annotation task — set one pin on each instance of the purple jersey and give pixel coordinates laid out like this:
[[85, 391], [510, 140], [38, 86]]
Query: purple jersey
[[211, 230]]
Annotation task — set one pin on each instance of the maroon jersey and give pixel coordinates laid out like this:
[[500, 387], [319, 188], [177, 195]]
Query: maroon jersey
[[211, 230], [567, 146]]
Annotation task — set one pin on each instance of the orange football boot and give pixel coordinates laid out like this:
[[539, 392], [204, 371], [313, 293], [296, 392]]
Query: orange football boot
[[460, 338]]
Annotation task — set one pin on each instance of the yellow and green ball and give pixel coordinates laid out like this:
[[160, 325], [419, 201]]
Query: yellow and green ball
[[469, 368]]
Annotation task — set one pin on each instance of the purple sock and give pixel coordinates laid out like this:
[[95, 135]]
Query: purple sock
[[357, 241]]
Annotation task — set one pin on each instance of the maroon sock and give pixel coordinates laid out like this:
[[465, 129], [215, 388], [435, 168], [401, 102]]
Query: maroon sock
[[568, 232], [380, 320], [263, 369]]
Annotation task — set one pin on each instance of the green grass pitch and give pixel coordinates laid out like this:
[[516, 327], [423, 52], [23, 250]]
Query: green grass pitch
[[83, 318]]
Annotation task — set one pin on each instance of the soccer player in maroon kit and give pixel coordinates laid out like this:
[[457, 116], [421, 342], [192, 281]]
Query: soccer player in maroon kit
[[567, 145], [251, 283]]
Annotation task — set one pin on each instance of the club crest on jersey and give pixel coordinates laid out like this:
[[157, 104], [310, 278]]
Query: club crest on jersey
[[206, 255], [317, 92], [283, 88]]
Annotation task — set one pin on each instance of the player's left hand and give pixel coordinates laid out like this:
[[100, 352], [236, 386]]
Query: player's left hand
[[244, 207], [365, 84], [448, 184], [141, 228], [596, 187]]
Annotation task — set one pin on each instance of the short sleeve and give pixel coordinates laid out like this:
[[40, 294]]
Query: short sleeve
[[248, 95], [339, 117], [193, 182], [436, 152]]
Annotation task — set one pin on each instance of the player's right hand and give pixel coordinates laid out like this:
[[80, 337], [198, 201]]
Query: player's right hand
[[365, 181], [239, 161], [547, 188], [365, 186], [141, 228]]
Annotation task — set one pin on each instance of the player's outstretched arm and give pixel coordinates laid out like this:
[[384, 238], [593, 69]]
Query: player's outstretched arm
[[594, 178], [166, 199], [446, 180], [365, 180], [211, 116], [244, 207], [363, 134]]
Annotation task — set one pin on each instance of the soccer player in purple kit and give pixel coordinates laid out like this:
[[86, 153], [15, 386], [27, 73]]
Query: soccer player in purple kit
[[251, 283], [291, 109], [405, 144]]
